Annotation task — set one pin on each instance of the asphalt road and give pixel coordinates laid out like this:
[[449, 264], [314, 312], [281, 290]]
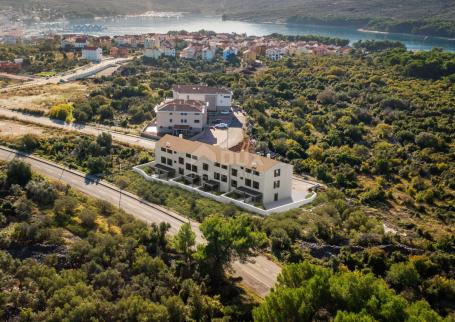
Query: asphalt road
[[77, 73], [259, 276], [86, 129]]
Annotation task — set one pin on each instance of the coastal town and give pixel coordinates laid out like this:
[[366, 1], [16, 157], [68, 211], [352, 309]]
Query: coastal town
[[206, 46]]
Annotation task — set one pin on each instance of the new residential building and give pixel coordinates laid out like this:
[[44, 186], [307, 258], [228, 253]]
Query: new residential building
[[218, 99], [179, 116], [248, 176]]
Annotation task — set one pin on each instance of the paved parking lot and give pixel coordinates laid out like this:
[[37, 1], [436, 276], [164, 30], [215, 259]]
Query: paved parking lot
[[226, 138]]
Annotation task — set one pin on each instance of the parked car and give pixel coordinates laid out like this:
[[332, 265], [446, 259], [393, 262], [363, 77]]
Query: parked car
[[221, 126], [225, 112]]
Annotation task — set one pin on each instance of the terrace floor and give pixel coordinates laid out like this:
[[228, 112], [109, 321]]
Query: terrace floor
[[300, 191]]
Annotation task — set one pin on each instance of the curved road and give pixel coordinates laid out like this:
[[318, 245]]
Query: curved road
[[86, 129], [259, 276]]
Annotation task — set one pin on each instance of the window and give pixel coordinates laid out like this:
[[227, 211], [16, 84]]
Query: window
[[169, 161], [188, 155], [181, 171], [169, 151], [188, 166], [256, 173], [277, 172], [205, 167], [170, 120], [216, 176], [194, 157], [248, 182], [194, 168], [163, 149], [163, 160], [255, 185], [170, 113], [217, 164], [196, 121], [275, 197], [234, 183], [276, 184], [205, 177], [224, 178], [248, 170], [224, 167], [234, 172], [181, 160]]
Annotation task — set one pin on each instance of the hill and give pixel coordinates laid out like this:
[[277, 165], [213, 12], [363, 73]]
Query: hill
[[434, 18]]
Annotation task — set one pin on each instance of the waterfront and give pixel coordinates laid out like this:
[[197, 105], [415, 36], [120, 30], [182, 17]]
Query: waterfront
[[142, 24]]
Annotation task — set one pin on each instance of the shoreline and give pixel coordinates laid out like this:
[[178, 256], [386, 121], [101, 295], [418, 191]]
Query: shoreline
[[375, 31]]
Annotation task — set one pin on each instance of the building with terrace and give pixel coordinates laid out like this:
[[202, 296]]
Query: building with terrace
[[245, 176], [179, 116], [218, 99]]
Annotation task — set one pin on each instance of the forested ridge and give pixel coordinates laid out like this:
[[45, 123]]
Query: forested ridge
[[433, 18]]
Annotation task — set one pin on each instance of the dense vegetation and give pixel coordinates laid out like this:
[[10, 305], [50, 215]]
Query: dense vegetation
[[66, 257], [376, 127], [307, 292], [43, 58]]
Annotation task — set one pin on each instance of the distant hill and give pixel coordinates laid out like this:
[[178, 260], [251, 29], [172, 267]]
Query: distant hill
[[435, 17]]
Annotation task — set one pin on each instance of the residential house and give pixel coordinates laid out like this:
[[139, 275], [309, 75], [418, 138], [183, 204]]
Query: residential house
[[81, 42], [188, 52], [229, 52], [249, 56], [255, 178], [119, 52], [94, 54], [208, 53], [154, 53], [273, 53], [179, 116]]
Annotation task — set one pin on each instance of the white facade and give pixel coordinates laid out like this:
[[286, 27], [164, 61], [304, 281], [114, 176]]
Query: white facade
[[181, 117], [151, 43], [273, 53], [154, 53], [263, 179], [218, 98], [188, 53], [207, 54], [92, 54], [169, 51]]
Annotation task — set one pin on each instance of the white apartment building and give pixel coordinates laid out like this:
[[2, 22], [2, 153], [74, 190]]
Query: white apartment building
[[178, 116], [249, 176], [154, 53], [168, 50], [188, 52], [94, 54], [207, 53], [273, 53], [218, 99]]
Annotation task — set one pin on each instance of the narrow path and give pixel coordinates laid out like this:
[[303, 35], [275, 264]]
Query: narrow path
[[259, 276]]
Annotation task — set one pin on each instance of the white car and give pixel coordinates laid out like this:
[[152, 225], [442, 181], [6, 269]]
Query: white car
[[221, 126], [225, 112]]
